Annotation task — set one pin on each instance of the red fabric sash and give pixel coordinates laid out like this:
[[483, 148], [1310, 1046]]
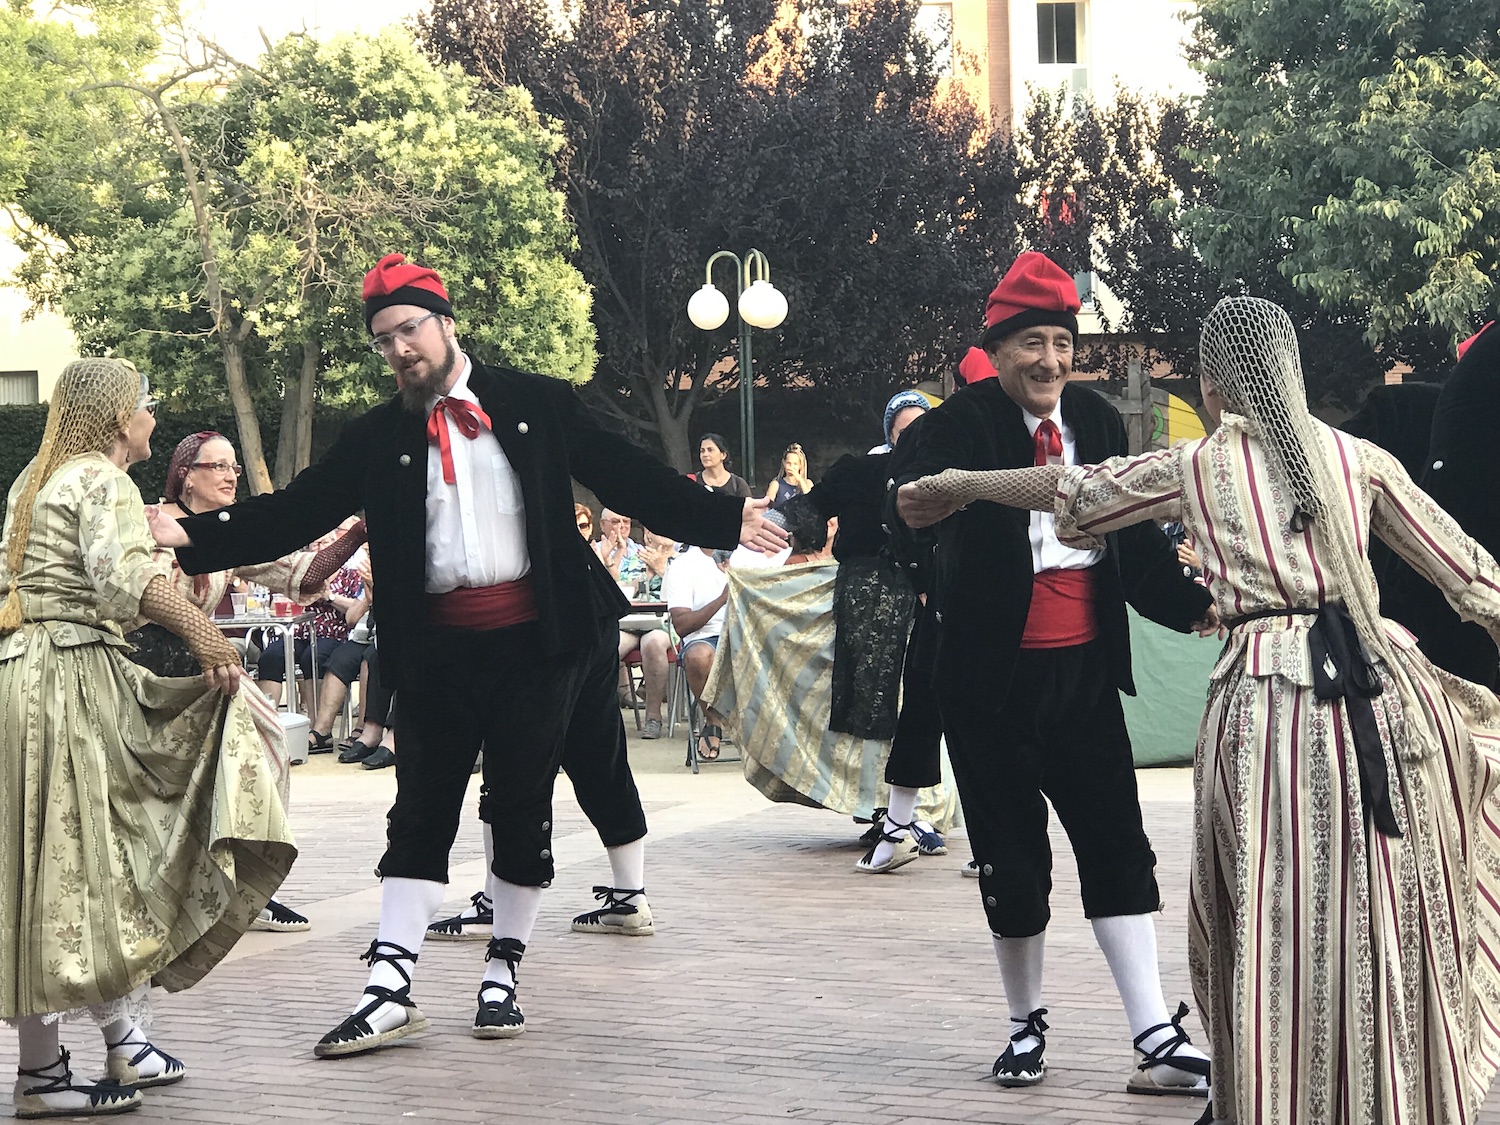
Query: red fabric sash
[[484, 607], [467, 416], [1062, 609]]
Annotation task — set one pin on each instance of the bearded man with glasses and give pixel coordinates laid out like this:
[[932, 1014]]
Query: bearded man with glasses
[[493, 612]]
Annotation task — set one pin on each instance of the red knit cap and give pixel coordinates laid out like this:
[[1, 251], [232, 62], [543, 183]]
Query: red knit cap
[[974, 367], [395, 281], [1464, 347], [1035, 290]]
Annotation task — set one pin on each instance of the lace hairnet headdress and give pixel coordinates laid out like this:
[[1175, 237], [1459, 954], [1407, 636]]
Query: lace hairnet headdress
[[91, 405], [1249, 350]]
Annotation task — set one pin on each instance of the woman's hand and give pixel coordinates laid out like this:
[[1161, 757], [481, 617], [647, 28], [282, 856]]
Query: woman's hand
[[225, 678]]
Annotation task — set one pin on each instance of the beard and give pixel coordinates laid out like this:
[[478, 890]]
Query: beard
[[417, 393]]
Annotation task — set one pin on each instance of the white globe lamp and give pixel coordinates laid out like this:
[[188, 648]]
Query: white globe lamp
[[762, 305], [708, 308]]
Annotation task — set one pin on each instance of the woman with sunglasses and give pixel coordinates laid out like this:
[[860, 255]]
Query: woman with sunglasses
[[793, 480], [585, 521], [202, 477]]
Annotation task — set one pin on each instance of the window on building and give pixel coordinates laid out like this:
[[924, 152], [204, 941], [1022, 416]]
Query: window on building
[[18, 388], [935, 23], [1057, 33]]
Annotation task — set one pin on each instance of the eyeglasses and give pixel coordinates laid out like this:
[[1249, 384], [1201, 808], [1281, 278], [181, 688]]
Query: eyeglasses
[[149, 405], [220, 467], [406, 333], [584, 525], [794, 448]]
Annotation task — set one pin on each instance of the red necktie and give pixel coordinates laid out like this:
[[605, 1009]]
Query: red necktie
[[1048, 442], [467, 416]]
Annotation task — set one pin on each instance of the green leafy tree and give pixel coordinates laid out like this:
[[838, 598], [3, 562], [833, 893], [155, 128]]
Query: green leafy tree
[[697, 125], [246, 205], [1353, 146]]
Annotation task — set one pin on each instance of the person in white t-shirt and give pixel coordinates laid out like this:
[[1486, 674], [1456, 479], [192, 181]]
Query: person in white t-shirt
[[696, 592]]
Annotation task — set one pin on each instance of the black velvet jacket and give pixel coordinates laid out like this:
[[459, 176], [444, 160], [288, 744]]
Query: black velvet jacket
[[982, 568], [379, 465]]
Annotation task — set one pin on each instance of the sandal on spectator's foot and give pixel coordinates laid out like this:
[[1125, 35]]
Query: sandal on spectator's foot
[[707, 753], [277, 919], [618, 915], [1144, 1078], [905, 852], [126, 1069], [473, 923], [319, 743], [382, 758], [356, 752], [43, 1093], [356, 1034], [500, 1018], [928, 841], [1024, 1068]]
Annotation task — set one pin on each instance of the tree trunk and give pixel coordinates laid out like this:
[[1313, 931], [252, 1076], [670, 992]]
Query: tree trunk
[[251, 451], [286, 444], [294, 446], [312, 357], [675, 434]]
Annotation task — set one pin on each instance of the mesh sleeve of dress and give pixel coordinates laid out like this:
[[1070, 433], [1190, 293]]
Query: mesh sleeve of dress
[[162, 603], [1032, 488], [327, 561]]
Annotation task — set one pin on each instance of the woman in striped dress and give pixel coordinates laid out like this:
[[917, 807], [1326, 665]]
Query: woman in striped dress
[[1345, 905]]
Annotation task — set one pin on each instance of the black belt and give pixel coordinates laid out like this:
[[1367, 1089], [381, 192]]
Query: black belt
[[1342, 669]]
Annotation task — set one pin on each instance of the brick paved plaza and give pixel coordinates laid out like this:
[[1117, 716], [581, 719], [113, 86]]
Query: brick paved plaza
[[780, 985]]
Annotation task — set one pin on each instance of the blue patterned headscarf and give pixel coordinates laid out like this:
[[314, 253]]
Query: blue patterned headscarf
[[899, 402]]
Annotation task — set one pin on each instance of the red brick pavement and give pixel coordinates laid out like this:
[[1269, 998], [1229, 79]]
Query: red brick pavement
[[780, 987]]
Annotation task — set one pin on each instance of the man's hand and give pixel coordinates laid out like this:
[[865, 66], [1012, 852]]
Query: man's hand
[[759, 533], [919, 508], [164, 529], [1210, 625]]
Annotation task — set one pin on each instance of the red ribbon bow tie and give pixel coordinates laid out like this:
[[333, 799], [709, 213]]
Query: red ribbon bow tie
[[467, 416], [1048, 442]]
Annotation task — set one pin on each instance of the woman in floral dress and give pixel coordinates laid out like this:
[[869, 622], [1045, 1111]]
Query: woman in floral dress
[[141, 827]]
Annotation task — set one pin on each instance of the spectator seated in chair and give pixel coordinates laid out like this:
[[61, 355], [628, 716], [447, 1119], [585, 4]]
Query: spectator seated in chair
[[696, 592]]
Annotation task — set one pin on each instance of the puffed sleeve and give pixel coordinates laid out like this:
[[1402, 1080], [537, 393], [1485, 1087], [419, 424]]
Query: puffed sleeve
[[117, 550], [1093, 500], [1413, 525]]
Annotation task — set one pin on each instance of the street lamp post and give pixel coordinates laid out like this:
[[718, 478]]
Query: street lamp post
[[760, 305]]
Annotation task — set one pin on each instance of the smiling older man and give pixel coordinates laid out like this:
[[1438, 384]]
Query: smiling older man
[[1033, 651]]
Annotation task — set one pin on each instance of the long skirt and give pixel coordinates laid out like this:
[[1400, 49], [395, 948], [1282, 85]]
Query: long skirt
[[141, 821], [873, 605], [1346, 977], [771, 679]]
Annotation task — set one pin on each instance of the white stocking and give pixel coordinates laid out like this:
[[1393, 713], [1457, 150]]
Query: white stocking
[[627, 864], [516, 908], [1021, 972], [1129, 945], [40, 1050], [406, 906], [897, 817]]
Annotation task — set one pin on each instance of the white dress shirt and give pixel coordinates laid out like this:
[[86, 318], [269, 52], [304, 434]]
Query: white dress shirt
[[476, 527], [1047, 551]]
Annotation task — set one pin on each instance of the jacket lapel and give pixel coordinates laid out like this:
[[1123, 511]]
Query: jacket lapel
[[511, 430]]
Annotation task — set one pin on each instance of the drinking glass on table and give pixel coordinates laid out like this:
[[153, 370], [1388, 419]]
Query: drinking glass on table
[[237, 601]]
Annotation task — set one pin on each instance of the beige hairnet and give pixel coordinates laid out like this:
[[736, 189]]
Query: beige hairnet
[[91, 405]]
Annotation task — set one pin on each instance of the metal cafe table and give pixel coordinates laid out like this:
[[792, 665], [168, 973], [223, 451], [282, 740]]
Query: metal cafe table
[[284, 627]]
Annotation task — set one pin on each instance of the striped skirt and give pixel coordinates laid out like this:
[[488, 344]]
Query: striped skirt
[[1347, 977]]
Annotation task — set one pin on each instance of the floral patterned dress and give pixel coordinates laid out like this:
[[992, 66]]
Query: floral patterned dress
[[141, 819], [1346, 977]]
